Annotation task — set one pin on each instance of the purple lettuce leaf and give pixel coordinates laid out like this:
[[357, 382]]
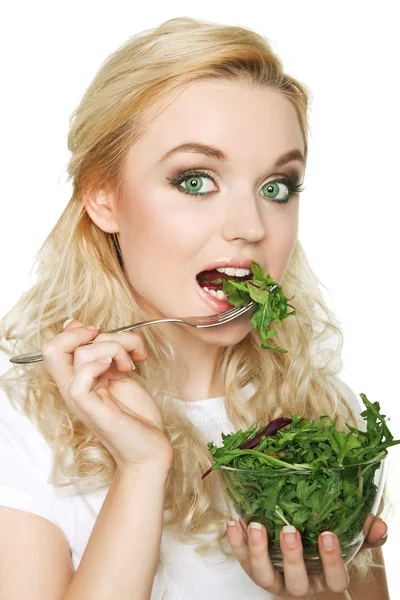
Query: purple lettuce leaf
[[270, 429]]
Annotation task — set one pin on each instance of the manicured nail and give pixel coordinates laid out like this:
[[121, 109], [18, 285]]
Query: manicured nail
[[290, 536], [132, 364], [66, 323], [255, 531], [328, 540], [231, 524]]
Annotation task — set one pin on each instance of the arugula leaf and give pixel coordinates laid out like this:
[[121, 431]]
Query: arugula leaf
[[257, 270], [270, 429], [305, 473], [269, 306]]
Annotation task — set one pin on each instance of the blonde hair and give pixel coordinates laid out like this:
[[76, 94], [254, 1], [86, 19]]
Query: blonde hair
[[80, 274]]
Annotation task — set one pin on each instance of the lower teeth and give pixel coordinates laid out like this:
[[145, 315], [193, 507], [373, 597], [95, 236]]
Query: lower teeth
[[219, 294]]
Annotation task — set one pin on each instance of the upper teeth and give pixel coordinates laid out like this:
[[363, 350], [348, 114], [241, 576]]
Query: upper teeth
[[235, 272]]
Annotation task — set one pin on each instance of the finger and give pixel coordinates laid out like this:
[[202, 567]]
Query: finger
[[379, 543], [58, 353], [138, 347], [369, 519], [239, 546], [73, 323], [377, 535], [378, 531], [296, 577], [132, 342], [90, 405], [335, 572], [367, 546], [139, 352], [102, 349], [264, 573]]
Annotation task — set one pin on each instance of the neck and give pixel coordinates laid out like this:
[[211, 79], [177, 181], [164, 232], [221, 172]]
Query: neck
[[194, 366], [195, 373]]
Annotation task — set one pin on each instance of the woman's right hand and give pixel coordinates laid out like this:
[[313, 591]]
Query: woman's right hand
[[117, 409]]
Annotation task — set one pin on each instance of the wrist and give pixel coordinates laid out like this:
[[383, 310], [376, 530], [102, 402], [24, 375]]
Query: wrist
[[157, 470]]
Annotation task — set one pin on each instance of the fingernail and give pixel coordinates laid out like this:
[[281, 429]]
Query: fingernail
[[66, 323], [290, 536], [255, 531], [132, 363], [231, 524], [92, 327], [105, 361], [328, 540]]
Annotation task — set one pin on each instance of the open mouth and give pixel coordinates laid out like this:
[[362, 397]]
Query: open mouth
[[212, 281]]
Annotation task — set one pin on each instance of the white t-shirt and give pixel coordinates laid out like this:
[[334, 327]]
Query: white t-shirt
[[25, 465]]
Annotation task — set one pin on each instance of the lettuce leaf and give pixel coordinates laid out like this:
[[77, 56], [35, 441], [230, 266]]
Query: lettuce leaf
[[270, 305]]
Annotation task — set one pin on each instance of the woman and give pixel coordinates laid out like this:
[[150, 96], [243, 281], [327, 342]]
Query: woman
[[188, 154]]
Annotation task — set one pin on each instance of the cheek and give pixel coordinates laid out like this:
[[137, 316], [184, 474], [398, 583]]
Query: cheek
[[280, 241], [152, 231]]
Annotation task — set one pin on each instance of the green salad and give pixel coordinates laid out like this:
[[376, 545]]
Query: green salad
[[305, 473], [270, 304], [298, 471]]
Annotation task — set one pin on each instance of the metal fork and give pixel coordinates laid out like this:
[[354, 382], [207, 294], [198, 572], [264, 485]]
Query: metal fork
[[199, 322]]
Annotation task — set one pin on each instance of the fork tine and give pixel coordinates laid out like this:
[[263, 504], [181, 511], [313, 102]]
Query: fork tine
[[230, 313], [215, 317], [233, 312], [221, 318], [224, 315]]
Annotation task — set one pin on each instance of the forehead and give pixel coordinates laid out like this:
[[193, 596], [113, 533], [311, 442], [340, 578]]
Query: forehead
[[235, 116]]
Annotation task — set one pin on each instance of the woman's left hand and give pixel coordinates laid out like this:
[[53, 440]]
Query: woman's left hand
[[295, 581]]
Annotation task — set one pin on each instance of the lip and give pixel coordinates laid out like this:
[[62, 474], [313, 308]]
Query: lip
[[239, 263], [219, 306]]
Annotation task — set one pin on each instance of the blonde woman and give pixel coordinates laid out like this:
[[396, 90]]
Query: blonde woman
[[188, 153]]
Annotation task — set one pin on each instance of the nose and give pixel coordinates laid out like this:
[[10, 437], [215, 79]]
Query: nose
[[242, 220]]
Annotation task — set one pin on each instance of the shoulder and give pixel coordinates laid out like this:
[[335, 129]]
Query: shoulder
[[19, 436], [24, 452], [25, 463]]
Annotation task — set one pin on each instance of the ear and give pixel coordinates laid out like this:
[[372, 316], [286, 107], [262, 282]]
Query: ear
[[99, 206]]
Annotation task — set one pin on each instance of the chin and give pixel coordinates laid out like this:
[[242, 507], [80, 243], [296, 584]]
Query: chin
[[225, 335]]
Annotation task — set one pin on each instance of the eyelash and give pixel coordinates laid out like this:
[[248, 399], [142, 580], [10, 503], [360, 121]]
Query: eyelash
[[294, 188]]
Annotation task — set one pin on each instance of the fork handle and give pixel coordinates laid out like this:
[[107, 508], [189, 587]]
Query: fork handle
[[24, 359], [31, 357], [142, 324]]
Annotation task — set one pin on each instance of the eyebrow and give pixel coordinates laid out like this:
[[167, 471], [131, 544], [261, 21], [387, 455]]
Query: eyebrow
[[213, 152]]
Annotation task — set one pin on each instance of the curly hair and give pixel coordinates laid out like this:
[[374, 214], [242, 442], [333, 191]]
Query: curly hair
[[80, 273]]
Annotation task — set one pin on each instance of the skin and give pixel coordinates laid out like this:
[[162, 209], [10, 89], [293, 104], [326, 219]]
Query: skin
[[167, 237], [171, 235]]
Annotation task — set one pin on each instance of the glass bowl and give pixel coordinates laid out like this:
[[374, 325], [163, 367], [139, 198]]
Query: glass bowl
[[278, 497]]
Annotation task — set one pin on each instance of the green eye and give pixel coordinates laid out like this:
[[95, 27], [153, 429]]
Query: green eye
[[273, 192], [194, 185]]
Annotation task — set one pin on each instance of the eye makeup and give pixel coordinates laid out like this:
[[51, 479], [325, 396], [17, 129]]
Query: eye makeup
[[290, 181]]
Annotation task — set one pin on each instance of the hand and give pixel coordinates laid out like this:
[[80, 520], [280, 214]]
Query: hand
[[295, 581], [116, 408], [377, 534]]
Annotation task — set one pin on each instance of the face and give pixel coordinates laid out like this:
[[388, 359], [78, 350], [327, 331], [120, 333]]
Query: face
[[196, 210]]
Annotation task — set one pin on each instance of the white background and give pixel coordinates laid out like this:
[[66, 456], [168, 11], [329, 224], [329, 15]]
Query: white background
[[345, 52]]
